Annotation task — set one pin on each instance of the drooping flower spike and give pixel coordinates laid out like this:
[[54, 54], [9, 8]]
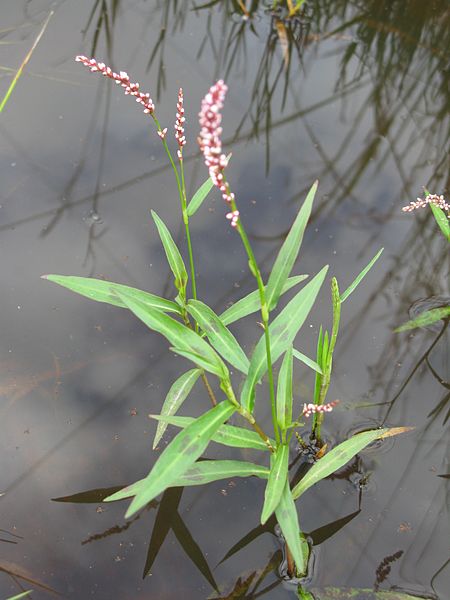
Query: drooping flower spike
[[210, 143], [121, 79], [429, 199]]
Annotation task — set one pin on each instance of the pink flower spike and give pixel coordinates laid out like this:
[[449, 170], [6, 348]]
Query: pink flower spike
[[179, 123], [423, 202], [310, 409], [120, 78]]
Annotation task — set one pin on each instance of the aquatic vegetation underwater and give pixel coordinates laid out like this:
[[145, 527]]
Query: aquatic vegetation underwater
[[196, 332]]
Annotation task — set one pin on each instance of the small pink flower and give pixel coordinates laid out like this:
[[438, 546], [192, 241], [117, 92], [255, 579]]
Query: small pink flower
[[121, 79], [310, 409], [162, 133], [233, 217]]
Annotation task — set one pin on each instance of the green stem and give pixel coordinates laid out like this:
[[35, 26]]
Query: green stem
[[182, 194], [264, 314]]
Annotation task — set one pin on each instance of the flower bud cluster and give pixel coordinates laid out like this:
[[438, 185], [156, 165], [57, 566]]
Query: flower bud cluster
[[430, 199], [310, 409], [211, 144], [121, 79], [179, 124]]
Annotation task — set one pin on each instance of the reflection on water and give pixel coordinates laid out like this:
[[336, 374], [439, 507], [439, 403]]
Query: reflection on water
[[355, 94]]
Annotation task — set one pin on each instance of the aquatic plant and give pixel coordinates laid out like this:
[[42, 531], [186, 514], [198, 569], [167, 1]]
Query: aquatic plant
[[197, 333]]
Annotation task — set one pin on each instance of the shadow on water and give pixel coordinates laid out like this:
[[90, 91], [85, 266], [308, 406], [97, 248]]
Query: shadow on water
[[385, 91]]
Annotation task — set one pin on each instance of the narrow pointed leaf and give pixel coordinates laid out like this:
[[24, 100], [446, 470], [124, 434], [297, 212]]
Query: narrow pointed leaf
[[183, 338], [214, 470], [228, 435], [286, 513], [351, 288], [289, 251], [199, 196], [282, 331], [202, 362], [252, 303], [426, 318], [177, 394], [173, 254], [335, 459], [276, 483], [219, 336], [106, 291], [205, 471], [22, 595], [318, 379], [307, 361], [442, 220], [179, 455], [284, 391]]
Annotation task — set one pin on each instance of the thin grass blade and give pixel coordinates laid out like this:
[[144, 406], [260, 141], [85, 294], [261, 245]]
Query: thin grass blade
[[289, 251], [351, 288], [177, 394], [309, 362], [284, 391], [22, 595], [426, 318]]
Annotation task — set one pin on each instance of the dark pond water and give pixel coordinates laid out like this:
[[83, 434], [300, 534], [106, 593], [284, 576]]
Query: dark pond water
[[353, 93]]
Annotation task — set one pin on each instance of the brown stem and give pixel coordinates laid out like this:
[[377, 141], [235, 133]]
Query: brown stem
[[209, 389], [290, 562]]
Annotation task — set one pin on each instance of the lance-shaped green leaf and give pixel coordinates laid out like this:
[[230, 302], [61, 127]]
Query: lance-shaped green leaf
[[177, 394], [351, 288], [335, 459], [284, 391], [277, 481], [179, 455], [220, 337], [183, 338], [202, 362], [442, 220], [199, 196], [309, 362], [252, 302], [228, 435], [289, 251], [205, 471], [286, 513], [282, 333], [426, 318], [22, 595], [173, 255], [106, 291]]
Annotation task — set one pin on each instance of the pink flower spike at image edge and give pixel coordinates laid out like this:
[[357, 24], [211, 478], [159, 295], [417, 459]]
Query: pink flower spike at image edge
[[121, 79], [429, 199]]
